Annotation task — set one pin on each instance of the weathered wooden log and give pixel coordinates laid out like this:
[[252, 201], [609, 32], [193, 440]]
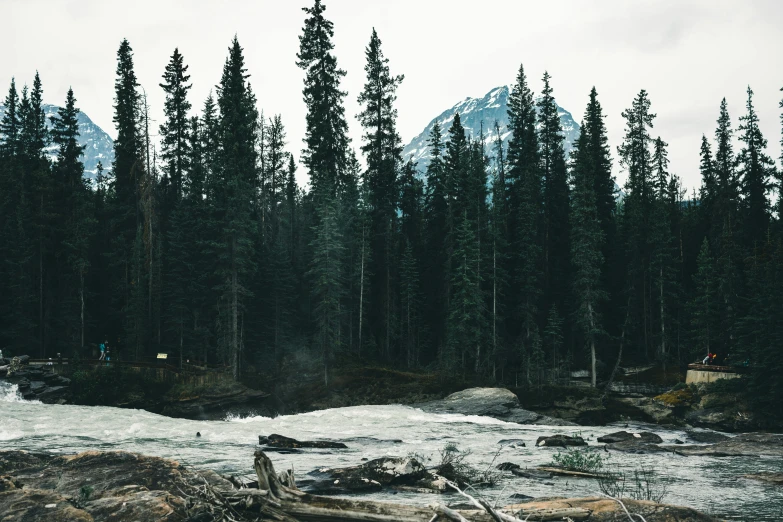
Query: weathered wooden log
[[568, 472], [312, 508]]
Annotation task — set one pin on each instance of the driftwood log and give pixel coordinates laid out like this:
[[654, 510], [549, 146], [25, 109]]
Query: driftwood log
[[283, 501]]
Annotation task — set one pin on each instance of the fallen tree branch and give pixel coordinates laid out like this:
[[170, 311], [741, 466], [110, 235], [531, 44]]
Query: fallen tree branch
[[630, 516]]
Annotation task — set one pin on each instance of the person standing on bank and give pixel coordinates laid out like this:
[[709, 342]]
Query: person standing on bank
[[103, 351]]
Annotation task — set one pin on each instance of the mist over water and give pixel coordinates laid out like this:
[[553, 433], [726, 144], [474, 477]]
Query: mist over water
[[709, 484]]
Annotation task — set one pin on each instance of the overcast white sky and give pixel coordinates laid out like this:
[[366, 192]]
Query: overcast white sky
[[687, 53]]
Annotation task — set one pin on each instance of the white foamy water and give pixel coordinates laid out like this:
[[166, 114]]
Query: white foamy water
[[705, 483]]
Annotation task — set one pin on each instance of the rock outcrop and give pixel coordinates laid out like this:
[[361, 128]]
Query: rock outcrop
[[498, 403], [36, 382]]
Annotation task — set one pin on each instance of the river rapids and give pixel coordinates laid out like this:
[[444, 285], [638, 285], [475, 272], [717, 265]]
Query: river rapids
[[709, 484]]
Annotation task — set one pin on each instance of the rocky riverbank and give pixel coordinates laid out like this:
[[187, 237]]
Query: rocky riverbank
[[719, 406], [40, 383], [120, 486]]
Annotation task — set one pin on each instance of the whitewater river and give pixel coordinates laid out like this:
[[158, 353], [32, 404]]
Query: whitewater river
[[705, 483]]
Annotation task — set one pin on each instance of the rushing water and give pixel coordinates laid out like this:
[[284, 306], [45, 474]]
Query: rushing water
[[705, 483]]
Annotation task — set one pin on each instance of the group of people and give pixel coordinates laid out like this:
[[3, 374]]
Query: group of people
[[728, 360], [105, 355]]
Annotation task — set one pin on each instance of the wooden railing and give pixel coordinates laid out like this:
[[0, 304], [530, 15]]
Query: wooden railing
[[716, 368]]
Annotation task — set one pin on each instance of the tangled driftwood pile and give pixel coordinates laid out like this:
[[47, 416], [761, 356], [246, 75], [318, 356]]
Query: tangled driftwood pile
[[120, 486]]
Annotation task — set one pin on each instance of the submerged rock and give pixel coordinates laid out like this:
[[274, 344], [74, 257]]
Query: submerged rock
[[279, 441], [708, 437], [498, 403], [772, 478], [623, 436], [746, 444], [561, 441], [634, 446]]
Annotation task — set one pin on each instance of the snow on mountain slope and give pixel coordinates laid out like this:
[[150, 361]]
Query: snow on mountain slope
[[98, 144], [475, 111]]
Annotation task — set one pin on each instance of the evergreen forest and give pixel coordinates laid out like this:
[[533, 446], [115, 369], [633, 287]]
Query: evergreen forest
[[513, 265]]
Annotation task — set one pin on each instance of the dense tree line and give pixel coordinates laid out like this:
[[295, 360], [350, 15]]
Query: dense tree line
[[512, 263]]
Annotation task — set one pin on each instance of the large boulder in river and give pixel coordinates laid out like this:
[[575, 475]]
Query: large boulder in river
[[561, 441], [279, 441], [498, 403], [623, 436]]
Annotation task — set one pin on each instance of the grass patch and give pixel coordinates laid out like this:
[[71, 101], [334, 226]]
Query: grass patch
[[640, 484], [678, 397]]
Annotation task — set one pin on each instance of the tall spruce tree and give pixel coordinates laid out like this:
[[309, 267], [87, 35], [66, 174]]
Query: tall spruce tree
[[10, 126], [662, 261], [33, 139], [708, 190], [382, 149], [326, 141], [125, 209], [725, 174], [75, 225], [19, 312], [524, 209], [175, 141], [587, 237], [556, 199], [497, 237], [236, 163], [636, 158], [436, 211], [755, 170]]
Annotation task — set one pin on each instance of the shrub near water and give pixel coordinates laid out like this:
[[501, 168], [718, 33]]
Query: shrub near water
[[583, 460]]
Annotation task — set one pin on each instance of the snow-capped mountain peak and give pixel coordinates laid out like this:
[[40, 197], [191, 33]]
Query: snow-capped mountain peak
[[98, 144], [474, 112]]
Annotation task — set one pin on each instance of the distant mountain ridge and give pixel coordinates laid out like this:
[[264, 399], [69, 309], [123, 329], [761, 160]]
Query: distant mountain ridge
[[98, 144], [474, 112]]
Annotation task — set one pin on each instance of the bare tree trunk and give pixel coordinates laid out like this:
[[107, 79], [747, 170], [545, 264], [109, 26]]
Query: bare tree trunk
[[40, 285], [234, 315], [361, 292], [620, 351], [593, 378], [81, 303], [663, 320], [494, 311]]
